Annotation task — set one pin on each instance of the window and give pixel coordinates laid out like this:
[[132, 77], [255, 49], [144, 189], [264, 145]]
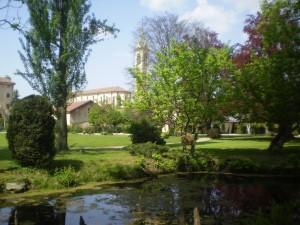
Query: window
[[7, 95]]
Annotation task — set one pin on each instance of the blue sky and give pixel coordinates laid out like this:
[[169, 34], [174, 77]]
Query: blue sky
[[109, 59]]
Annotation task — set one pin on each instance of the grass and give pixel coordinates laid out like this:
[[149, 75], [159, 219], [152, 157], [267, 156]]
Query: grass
[[253, 148], [86, 162], [85, 165], [94, 141], [78, 140]]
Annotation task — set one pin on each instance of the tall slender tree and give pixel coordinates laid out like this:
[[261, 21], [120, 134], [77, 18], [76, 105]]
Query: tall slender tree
[[55, 50]]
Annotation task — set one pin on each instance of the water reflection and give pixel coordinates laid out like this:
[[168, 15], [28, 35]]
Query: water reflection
[[168, 200], [36, 215]]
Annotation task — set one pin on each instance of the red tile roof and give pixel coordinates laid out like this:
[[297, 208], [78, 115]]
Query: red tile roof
[[103, 90], [76, 105], [6, 80]]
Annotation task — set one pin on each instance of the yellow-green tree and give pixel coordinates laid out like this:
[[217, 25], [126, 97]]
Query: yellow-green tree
[[189, 87]]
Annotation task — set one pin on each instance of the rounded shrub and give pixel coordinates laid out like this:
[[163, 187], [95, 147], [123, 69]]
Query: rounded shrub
[[143, 131], [30, 131]]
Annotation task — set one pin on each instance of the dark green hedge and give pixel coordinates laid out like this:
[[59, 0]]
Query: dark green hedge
[[143, 131], [30, 131]]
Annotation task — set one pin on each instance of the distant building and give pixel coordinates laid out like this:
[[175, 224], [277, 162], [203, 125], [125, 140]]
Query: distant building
[[6, 95], [78, 109], [77, 113], [110, 95]]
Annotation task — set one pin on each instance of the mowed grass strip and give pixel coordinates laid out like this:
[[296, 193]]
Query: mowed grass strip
[[91, 140], [94, 141]]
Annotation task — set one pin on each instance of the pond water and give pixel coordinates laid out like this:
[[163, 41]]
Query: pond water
[[167, 200]]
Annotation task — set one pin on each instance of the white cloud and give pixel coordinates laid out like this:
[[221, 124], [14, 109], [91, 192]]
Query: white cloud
[[240, 6], [213, 16], [161, 5], [223, 16]]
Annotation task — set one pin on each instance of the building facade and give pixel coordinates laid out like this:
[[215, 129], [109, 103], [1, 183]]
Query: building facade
[[111, 95], [6, 96], [79, 105], [77, 113]]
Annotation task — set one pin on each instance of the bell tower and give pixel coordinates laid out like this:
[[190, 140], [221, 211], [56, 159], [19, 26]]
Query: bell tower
[[142, 54]]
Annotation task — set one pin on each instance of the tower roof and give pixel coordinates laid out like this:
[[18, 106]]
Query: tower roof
[[77, 105], [6, 80], [115, 89], [142, 42]]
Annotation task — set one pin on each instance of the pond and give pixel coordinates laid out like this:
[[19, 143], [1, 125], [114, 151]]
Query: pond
[[166, 200]]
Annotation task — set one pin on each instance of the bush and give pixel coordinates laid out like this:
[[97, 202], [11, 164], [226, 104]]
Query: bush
[[75, 129], [259, 129], [30, 132], [201, 162], [146, 149], [89, 130], [143, 131], [164, 164], [238, 165], [66, 177]]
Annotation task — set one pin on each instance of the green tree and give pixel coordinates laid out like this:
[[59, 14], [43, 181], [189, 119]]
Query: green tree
[[188, 89], [55, 50], [105, 117], [269, 78]]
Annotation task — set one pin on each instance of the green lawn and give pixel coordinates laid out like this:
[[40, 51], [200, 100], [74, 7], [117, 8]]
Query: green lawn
[[90, 165], [3, 142], [79, 140], [253, 148]]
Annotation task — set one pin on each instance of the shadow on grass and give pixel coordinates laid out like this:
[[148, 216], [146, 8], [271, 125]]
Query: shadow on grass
[[252, 138], [251, 153], [198, 143], [61, 163], [93, 151], [256, 138], [9, 169], [5, 154]]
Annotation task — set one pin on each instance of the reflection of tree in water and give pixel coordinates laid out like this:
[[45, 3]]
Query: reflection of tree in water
[[166, 200], [36, 215], [173, 201]]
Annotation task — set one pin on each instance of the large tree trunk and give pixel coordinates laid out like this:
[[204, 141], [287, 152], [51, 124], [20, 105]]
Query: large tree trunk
[[62, 130], [284, 134]]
